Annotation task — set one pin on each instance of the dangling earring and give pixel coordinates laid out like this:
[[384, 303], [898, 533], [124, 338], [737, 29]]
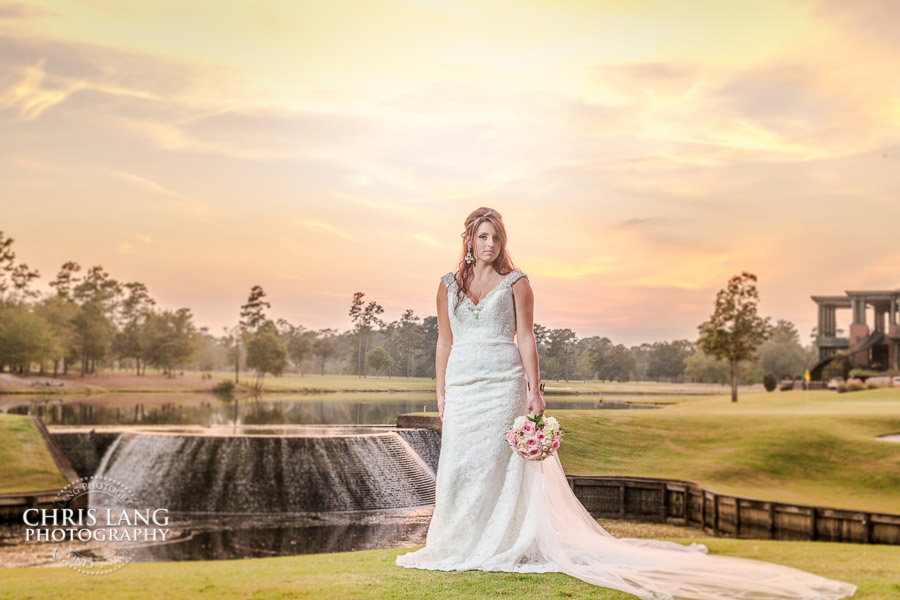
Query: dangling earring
[[469, 257]]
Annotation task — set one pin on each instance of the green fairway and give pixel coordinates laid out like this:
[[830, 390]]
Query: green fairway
[[767, 446], [25, 462], [373, 574]]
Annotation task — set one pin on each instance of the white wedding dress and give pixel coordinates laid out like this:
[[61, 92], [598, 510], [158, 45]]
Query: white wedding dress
[[495, 511]]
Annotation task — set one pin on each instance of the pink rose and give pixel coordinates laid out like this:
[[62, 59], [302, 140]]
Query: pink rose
[[540, 435], [511, 438], [532, 441], [534, 451], [528, 427], [554, 444]]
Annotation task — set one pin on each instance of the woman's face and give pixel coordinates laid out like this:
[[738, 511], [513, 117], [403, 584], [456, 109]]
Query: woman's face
[[486, 245]]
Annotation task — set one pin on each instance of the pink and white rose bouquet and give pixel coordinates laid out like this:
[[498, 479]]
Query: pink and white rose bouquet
[[534, 437]]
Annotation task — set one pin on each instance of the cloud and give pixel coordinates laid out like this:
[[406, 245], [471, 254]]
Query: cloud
[[29, 91], [19, 10], [144, 182], [636, 222], [428, 239], [70, 64], [319, 224]]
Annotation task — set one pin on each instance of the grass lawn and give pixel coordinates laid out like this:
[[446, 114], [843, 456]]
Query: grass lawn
[[25, 462], [766, 446], [373, 574]]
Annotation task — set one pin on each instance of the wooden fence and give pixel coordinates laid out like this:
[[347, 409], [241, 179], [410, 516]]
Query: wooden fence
[[686, 503]]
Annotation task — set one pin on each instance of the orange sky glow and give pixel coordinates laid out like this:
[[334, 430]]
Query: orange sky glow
[[640, 152]]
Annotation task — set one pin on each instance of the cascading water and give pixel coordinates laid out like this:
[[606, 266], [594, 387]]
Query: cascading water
[[269, 474]]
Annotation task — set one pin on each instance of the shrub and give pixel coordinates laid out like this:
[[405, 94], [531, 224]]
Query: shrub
[[770, 382], [224, 387], [842, 387], [855, 386]]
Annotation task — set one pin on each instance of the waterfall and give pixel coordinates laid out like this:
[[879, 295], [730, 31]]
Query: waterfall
[[268, 474], [426, 443]]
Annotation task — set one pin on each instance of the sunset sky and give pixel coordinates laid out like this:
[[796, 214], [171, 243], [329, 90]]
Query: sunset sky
[[641, 153]]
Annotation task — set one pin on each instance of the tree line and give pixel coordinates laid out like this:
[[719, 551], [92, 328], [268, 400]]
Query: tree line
[[92, 321]]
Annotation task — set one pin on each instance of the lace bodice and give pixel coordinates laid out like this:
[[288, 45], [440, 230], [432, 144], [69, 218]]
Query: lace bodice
[[492, 319]]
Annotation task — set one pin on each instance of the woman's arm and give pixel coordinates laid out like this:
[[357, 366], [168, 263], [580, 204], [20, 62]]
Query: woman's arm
[[444, 341], [523, 297]]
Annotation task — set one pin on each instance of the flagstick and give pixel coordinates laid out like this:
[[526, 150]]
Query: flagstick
[[806, 379]]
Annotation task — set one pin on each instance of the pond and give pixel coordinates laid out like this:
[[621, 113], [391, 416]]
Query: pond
[[177, 449], [225, 537], [360, 408]]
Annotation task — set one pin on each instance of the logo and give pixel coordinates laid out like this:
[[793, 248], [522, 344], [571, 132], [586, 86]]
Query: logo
[[96, 525]]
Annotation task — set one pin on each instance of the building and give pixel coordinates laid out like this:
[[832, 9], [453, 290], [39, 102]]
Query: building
[[874, 347]]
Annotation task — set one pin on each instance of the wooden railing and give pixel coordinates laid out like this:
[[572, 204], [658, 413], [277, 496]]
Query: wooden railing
[[686, 503]]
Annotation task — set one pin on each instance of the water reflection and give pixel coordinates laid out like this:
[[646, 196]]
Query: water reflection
[[224, 537], [270, 409]]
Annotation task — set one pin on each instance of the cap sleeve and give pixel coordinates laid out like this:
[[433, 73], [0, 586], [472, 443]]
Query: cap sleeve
[[448, 279], [515, 275]]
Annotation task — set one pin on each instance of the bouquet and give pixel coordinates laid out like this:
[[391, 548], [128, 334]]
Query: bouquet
[[534, 437]]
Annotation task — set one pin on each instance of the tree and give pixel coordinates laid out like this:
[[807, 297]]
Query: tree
[[25, 338], [133, 312], [209, 354], [561, 349], [97, 296], [618, 364], [231, 342], [66, 279], [641, 356], [411, 339], [666, 359], [735, 330], [169, 339], [705, 368], [612, 362], [252, 313], [18, 276], [266, 353], [298, 341], [252, 317], [363, 319], [380, 359], [782, 353], [59, 312], [326, 346]]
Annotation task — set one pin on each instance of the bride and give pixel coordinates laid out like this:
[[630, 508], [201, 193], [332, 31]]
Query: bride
[[495, 511]]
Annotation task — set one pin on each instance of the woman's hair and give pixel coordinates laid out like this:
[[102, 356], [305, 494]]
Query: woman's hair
[[502, 264]]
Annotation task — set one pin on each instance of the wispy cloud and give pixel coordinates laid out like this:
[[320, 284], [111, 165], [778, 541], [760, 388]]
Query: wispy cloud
[[144, 182], [319, 224], [20, 10], [28, 91]]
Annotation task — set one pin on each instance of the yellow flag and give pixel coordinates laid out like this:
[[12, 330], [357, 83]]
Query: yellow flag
[[806, 375]]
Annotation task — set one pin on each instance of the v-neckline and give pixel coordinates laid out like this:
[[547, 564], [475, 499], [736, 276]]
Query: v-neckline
[[489, 293]]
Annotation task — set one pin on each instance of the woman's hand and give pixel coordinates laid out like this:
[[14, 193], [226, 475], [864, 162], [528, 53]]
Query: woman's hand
[[440, 402], [536, 404]]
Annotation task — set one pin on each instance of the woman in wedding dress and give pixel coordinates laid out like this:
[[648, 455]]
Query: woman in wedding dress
[[494, 510]]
